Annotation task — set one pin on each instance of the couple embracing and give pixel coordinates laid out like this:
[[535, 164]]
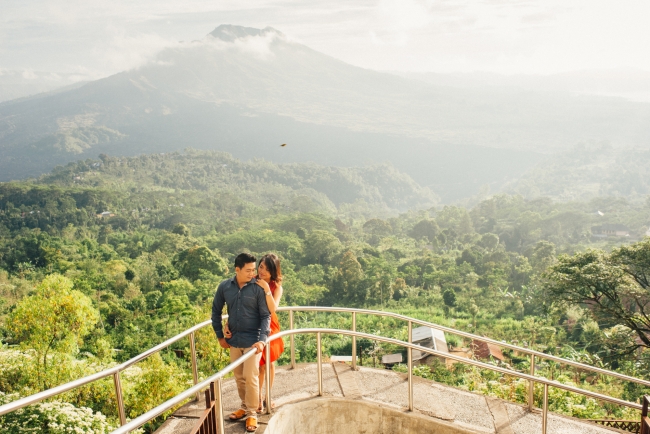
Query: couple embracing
[[251, 296]]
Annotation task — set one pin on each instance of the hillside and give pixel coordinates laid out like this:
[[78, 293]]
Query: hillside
[[588, 171], [204, 174], [245, 91]]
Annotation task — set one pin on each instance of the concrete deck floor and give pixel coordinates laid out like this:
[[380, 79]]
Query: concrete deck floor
[[468, 410]]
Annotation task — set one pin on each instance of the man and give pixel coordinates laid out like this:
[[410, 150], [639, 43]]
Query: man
[[249, 322]]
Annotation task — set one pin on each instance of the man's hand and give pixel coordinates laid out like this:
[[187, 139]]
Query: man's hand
[[259, 346], [223, 343], [226, 331]]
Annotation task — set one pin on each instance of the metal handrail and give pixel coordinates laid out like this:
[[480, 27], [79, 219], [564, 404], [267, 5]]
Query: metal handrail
[[470, 336], [115, 371], [144, 418]]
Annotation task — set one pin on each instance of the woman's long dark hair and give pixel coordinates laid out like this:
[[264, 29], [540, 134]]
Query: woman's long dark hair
[[272, 264]]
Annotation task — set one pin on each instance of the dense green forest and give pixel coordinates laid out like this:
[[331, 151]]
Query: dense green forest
[[102, 259]]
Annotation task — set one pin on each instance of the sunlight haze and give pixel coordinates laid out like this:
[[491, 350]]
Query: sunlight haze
[[529, 36]]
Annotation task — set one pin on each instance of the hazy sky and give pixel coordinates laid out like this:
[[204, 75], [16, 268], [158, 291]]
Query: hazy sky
[[97, 38]]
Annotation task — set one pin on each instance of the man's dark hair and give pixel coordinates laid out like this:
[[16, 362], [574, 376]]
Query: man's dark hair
[[244, 258]]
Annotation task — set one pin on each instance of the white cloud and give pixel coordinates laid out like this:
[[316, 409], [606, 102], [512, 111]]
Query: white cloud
[[125, 51], [441, 35], [395, 19], [29, 74], [258, 46]]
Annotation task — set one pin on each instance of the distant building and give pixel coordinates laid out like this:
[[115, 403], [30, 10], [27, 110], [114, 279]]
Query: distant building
[[105, 214], [389, 360], [610, 230], [465, 353], [486, 351], [430, 338], [342, 359]]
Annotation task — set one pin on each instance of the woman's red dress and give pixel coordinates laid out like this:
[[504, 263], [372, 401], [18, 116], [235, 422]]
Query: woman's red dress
[[277, 346]]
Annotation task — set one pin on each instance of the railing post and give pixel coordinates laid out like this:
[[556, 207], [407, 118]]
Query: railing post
[[320, 365], [267, 380], [293, 347], [545, 410], [410, 367], [212, 417], [354, 341], [219, 404], [210, 421], [531, 385], [644, 413], [195, 369], [118, 397]]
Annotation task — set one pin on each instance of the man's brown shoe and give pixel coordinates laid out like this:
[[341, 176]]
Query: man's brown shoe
[[236, 415], [251, 424]]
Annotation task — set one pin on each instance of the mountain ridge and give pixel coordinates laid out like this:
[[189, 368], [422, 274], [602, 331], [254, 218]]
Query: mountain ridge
[[248, 95]]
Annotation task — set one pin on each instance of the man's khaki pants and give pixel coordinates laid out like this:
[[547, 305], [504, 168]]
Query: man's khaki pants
[[248, 382]]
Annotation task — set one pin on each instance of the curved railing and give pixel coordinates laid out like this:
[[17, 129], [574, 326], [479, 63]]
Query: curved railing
[[126, 427], [218, 377], [114, 372]]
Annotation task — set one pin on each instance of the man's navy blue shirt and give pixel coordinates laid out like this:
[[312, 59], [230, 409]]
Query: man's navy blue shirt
[[249, 318]]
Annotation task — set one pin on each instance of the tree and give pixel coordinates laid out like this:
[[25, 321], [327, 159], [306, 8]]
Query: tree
[[425, 229], [175, 301], [377, 227], [191, 262], [349, 278], [380, 275], [614, 287], [400, 290], [54, 319], [543, 255], [321, 247], [449, 300], [489, 241], [181, 229]]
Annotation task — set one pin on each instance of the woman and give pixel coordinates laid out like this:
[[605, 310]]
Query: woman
[[269, 277]]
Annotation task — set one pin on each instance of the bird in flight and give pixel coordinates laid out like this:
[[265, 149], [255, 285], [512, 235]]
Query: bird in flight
[[283, 145]]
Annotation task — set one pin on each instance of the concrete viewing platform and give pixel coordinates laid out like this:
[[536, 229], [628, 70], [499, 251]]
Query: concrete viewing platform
[[375, 401]]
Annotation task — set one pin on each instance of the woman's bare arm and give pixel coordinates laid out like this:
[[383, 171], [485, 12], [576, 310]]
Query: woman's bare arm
[[270, 301], [278, 295]]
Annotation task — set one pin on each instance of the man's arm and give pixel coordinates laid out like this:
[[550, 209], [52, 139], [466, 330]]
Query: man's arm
[[265, 315], [217, 309]]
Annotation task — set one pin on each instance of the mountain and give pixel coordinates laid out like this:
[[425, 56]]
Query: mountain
[[246, 91], [19, 84]]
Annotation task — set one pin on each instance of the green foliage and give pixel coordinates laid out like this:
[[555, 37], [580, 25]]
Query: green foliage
[[449, 297], [615, 286], [426, 228], [54, 319], [126, 282], [191, 263], [152, 383], [321, 247], [52, 418]]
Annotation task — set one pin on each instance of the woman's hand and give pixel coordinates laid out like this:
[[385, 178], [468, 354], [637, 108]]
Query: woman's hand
[[262, 283], [226, 331]]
